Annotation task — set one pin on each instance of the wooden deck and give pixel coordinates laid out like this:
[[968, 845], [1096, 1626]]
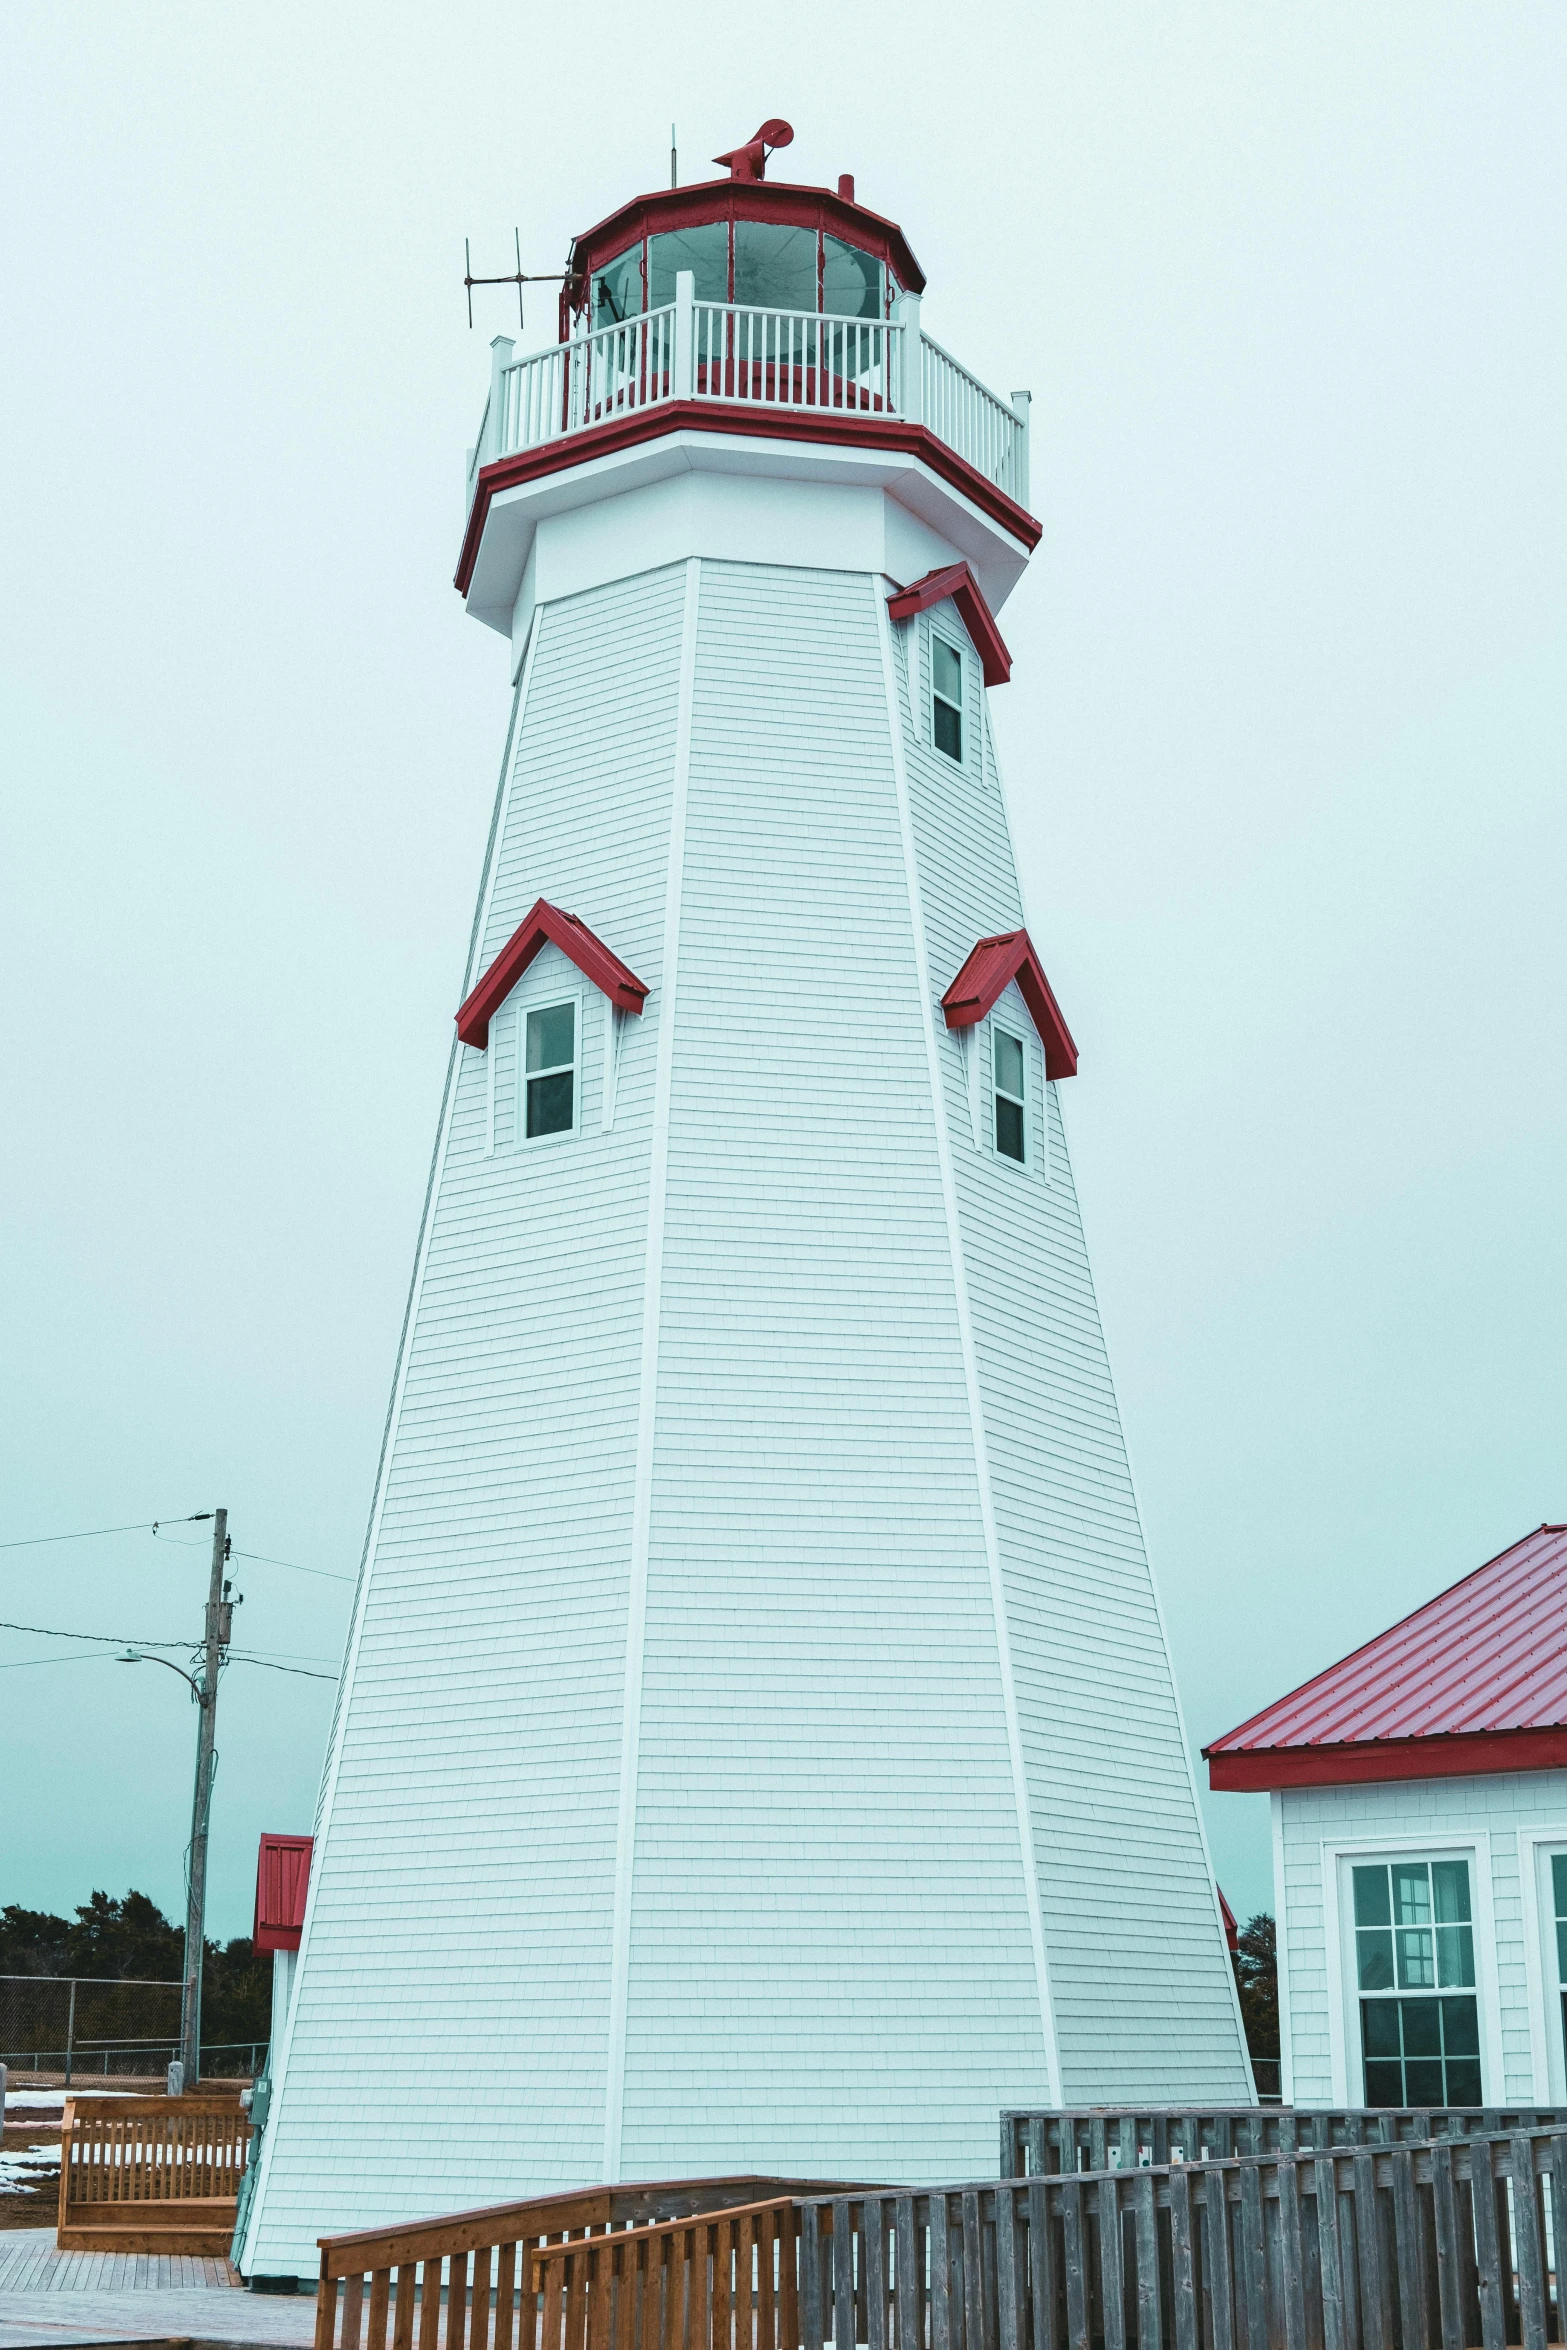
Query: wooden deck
[[71, 2299]]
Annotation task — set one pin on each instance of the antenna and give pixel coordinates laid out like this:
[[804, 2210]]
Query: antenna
[[674, 176], [519, 277]]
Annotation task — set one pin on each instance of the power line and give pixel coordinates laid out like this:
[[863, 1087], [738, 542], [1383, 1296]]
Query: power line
[[91, 1533], [111, 1640], [80, 1657], [326, 1573], [300, 1670]]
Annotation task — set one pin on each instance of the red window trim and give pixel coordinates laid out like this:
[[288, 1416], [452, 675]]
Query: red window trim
[[987, 971], [545, 925], [958, 584]]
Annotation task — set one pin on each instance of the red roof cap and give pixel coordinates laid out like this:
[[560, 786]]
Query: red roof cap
[[282, 1876], [546, 925], [1476, 1680], [989, 969], [958, 582]]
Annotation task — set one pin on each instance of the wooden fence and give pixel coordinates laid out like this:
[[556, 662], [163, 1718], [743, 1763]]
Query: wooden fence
[[1047, 2141], [151, 2174], [475, 2281], [1446, 2245]]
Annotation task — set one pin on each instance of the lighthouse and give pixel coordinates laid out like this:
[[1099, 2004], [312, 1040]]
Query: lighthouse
[[757, 1748]]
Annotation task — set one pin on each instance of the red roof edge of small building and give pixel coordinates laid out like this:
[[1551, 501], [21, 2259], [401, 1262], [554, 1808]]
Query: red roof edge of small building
[[987, 971], [958, 582], [1447, 1754], [282, 1881], [544, 925], [1235, 1741], [1232, 1932]]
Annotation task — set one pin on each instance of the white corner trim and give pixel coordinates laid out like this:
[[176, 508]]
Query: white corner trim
[[647, 1400], [334, 1758], [1547, 2065], [1473, 1845], [1282, 1951], [949, 1195], [614, 1022], [969, 1054]]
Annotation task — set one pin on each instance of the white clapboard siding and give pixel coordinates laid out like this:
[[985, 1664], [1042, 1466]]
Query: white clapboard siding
[[1140, 1979], [676, 1822]]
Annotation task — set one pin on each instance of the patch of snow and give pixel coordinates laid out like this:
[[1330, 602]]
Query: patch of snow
[[26, 2166]]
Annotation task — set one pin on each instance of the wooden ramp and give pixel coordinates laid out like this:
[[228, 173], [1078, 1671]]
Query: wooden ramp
[[151, 2174]]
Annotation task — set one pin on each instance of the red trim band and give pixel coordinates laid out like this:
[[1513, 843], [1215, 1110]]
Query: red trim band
[[545, 924], [958, 583], [1456, 1755], [768, 424]]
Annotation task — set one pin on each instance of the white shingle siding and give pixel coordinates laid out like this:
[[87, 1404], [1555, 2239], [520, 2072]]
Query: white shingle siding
[[828, 1964], [1497, 1821]]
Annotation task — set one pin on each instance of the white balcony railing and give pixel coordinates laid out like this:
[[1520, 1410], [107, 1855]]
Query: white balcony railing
[[736, 355]]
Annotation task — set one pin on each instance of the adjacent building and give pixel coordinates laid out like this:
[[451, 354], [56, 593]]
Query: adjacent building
[[1419, 1795]]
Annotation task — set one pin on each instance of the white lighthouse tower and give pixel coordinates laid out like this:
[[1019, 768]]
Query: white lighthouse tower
[[757, 1747]]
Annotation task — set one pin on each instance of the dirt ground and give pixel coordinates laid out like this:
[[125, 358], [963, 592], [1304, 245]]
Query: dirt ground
[[31, 2203]]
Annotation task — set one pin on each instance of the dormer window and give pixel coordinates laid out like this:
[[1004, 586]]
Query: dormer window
[[1010, 1063], [946, 697], [550, 1071]]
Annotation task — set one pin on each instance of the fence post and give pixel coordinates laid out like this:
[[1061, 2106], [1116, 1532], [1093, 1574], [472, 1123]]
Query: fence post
[[911, 385], [70, 2031], [1022, 406], [684, 370], [494, 436]]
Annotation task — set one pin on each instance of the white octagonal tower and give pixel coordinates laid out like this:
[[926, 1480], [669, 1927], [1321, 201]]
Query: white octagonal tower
[[757, 1748]]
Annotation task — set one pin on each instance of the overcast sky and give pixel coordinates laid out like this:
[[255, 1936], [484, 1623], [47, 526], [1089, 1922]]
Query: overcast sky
[[1284, 748]]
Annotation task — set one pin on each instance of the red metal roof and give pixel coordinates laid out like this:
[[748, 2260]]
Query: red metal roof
[[282, 1875], [544, 924], [1476, 1680], [958, 582], [987, 971]]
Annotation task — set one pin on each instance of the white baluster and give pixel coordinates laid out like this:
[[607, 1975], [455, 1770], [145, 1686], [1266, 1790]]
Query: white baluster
[[912, 388]]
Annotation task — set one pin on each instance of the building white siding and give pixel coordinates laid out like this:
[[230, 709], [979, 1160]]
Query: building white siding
[[756, 1602], [1503, 1824]]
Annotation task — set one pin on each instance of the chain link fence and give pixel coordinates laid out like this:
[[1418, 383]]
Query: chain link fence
[[67, 2031]]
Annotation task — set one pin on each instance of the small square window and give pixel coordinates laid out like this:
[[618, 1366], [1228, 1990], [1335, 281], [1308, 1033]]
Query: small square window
[[550, 1071], [946, 697], [1010, 1066]]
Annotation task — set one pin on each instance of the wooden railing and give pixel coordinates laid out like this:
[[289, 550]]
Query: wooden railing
[[474, 2281], [1047, 2140], [150, 2166]]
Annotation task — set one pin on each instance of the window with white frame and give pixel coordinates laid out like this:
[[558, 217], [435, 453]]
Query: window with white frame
[[1414, 1963], [549, 1071], [1558, 1941], [1009, 1066], [946, 697]]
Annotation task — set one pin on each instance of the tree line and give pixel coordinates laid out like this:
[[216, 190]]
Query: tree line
[[130, 1939]]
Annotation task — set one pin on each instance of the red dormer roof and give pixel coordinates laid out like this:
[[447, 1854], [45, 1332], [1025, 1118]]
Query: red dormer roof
[[1476, 1680], [546, 925], [958, 582], [992, 966], [282, 1876]]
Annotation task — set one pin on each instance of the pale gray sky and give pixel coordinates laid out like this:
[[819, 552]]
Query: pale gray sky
[[1284, 749]]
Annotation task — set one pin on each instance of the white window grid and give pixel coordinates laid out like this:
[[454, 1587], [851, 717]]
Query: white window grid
[[1338, 1859], [507, 1106], [1003, 1032], [934, 635]]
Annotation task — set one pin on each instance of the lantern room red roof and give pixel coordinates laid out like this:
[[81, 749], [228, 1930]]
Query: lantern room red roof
[[545, 925], [1474, 1681], [958, 583], [735, 199], [987, 971], [282, 1879]]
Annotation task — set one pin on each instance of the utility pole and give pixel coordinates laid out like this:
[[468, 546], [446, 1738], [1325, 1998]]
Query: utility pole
[[220, 1621]]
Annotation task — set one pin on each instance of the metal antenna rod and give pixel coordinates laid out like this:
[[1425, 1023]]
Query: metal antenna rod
[[674, 177], [518, 277]]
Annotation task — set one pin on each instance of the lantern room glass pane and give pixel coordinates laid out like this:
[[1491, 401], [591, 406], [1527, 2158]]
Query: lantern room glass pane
[[775, 266], [617, 289], [851, 280], [703, 249]]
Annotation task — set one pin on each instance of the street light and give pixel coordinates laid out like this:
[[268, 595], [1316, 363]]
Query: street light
[[134, 1656]]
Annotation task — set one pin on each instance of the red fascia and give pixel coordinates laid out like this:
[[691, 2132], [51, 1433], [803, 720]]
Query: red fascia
[[762, 424], [958, 583], [771, 200], [990, 968], [282, 1880], [1232, 1932], [1463, 1755], [546, 925]]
